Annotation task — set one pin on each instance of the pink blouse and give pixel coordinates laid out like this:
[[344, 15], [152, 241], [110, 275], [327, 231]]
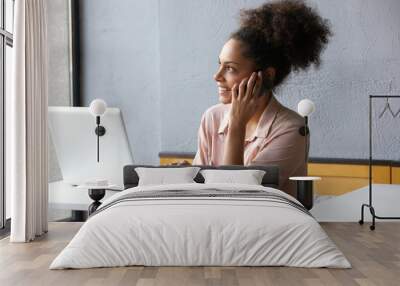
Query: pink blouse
[[276, 141]]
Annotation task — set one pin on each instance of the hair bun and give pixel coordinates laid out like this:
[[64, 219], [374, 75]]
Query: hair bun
[[292, 27]]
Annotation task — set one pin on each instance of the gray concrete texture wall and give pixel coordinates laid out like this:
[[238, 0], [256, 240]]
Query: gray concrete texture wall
[[120, 64], [155, 60], [59, 91]]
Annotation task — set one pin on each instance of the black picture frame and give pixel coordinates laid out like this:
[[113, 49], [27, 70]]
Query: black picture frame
[[6, 39], [75, 52]]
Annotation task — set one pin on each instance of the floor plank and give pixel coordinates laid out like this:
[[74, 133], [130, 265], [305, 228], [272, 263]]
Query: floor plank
[[375, 257]]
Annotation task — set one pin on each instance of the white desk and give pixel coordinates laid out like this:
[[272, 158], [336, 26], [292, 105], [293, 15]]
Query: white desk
[[65, 196]]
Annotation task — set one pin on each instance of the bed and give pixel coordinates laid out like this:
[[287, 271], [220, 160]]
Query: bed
[[201, 224]]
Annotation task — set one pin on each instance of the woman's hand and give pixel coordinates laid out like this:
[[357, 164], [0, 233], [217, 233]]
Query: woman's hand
[[245, 99]]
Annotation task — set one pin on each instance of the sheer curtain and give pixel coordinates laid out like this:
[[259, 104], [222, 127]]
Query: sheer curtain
[[27, 123]]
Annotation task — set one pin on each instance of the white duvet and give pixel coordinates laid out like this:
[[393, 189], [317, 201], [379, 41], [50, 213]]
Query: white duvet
[[200, 231]]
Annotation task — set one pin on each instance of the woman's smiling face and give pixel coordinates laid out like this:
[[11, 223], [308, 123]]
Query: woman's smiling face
[[233, 68]]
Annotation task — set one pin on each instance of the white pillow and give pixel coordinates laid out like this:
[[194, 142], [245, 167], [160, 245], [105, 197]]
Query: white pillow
[[249, 177], [164, 176]]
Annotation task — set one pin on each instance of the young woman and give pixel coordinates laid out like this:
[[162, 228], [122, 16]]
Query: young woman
[[249, 126]]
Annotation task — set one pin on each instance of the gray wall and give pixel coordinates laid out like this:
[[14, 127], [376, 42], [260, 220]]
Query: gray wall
[[59, 91], [155, 61], [120, 64]]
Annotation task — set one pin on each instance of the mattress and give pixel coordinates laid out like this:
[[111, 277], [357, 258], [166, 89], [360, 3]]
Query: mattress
[[201, 225]]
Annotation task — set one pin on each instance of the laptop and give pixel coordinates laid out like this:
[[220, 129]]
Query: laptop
[[73, 132]]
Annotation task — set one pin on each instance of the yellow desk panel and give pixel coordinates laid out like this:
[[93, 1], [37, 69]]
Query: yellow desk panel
[[395, 175], [172, 160], [337, 179]]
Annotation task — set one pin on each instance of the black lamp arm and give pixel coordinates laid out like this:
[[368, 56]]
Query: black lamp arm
[[100, 131], [307, 133], [304, 131], [98, 136]]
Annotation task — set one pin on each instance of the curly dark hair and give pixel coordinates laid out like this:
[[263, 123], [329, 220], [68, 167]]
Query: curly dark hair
[[287, 35]]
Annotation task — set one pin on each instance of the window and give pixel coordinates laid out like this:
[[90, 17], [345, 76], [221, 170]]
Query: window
[[6, 44]]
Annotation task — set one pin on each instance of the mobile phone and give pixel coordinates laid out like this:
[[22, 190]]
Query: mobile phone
[[266, 85], [262, 89]]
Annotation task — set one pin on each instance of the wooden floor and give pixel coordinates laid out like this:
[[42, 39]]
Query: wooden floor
[[375, 257]]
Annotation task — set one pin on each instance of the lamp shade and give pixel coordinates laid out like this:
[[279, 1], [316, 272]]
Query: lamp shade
[[98, 107], [305, 107]]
